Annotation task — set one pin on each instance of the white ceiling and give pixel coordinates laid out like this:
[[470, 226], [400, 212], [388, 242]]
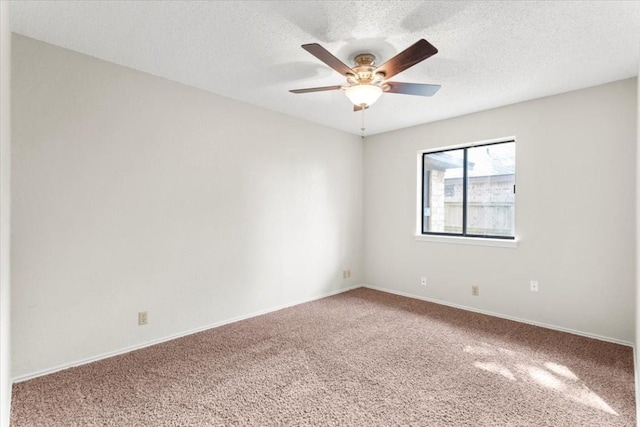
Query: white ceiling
[[490, 53]]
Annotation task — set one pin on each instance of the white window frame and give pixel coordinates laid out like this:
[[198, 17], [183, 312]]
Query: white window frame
[[464, 240]]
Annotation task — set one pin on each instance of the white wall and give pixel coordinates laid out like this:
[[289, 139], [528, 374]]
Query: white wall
[[575, 208], [5, 211], [132, 193]]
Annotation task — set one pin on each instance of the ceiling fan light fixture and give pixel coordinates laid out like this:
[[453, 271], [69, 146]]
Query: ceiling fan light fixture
[[363, 94]]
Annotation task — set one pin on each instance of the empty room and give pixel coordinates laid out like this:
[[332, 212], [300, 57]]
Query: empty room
[[345, 213]]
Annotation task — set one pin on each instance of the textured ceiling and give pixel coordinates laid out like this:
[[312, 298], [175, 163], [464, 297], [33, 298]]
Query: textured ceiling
[[490, 53]]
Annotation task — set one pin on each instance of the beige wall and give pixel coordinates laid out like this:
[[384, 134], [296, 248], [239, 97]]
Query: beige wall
[[132, 193], [5, 205], [575, 207]]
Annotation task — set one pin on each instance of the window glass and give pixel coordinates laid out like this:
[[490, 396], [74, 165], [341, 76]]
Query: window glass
[[491, 177], [443, 191]]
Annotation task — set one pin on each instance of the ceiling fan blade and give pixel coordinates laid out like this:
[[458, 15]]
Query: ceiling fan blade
[[409, 57], [359, 107], [316, 89], [412, 88], [327, 57]]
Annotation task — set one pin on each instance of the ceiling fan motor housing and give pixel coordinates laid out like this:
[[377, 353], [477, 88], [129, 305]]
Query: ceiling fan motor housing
[[365, 59], [365, 70]]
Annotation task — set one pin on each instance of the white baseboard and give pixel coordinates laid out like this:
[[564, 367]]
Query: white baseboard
[[636, 375], [96, 358], [504, 316], [84, 361]]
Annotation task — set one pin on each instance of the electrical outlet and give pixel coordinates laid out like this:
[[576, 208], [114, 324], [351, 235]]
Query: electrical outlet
[[423, 281], [344, 274], [533, 286], [475, 290], [142, 318], [348, 273]]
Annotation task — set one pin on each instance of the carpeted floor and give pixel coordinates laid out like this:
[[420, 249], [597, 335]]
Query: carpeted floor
[[361, 358]]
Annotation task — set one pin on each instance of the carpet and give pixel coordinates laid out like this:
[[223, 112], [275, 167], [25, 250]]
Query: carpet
[[361, 358]]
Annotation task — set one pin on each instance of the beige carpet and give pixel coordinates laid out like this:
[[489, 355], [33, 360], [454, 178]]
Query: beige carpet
[[361, 358]]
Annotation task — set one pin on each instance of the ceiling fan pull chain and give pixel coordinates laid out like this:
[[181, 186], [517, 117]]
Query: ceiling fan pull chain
[[362, 128]]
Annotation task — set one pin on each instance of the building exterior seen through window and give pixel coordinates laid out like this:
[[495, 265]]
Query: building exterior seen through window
[[470, 191]]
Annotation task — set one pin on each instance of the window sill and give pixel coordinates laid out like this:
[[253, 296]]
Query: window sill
[[477, 241]]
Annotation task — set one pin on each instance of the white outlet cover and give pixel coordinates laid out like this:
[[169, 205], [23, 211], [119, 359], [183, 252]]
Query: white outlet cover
[[143, 318]]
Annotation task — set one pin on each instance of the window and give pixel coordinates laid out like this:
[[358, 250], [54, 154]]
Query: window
[[470, 191]]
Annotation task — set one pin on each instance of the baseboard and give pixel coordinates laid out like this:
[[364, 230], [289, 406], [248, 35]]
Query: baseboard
[[637, 384], [280, 307], [504, 316], [96, 358]]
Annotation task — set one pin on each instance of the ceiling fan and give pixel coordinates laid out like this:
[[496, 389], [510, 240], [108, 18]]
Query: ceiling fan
[[366, 81]]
